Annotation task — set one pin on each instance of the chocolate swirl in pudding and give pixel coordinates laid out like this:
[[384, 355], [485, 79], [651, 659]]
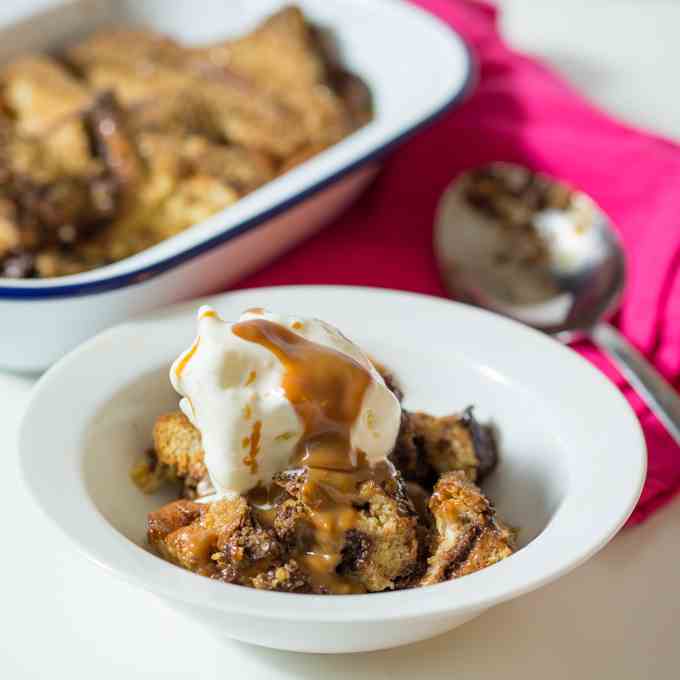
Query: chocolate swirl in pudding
[[326, 389]]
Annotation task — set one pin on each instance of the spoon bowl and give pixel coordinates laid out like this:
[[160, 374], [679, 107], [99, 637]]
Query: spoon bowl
[[534, 249]]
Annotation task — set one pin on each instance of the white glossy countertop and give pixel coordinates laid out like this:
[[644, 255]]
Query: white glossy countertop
[[615, 617]]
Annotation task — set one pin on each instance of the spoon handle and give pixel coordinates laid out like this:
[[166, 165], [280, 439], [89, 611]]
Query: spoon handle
[[648, 383]]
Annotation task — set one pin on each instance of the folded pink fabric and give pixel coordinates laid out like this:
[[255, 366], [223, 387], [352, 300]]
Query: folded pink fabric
[[523, 112]]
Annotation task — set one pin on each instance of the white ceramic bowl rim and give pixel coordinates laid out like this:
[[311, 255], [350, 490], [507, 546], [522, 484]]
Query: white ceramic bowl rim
[[584, 522], [280, 194]]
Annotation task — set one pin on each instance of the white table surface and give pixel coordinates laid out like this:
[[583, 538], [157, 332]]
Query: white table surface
[[616, 617]]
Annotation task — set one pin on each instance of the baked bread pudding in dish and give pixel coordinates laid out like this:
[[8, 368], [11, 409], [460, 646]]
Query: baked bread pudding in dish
[[300, 471], [129, 137]]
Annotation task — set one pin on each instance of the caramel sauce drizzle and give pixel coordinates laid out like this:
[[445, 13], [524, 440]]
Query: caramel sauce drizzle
[[254, 440], [326, 388], [187, 358]]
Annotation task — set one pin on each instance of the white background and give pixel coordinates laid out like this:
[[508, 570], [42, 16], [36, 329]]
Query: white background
[[616, 617]]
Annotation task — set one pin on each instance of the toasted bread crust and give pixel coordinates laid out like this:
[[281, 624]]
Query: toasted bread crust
[[177, 444], [429, 446], [467, 535]]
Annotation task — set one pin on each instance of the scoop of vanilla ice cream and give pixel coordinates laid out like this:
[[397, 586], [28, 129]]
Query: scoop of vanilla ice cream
[[232, 392]]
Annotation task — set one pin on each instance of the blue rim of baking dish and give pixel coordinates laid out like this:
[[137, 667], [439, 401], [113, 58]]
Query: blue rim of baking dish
[[148, 272]]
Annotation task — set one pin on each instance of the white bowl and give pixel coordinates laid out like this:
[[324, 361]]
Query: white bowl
[[572, 458], [410, 89]]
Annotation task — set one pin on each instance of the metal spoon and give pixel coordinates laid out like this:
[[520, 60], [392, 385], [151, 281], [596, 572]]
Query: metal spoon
[[531, 248]]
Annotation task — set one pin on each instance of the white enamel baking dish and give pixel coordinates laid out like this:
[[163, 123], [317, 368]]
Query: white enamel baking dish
[[416, 67]]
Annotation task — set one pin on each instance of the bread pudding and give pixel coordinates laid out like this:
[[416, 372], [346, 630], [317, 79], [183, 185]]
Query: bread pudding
[[129, 137], [299, 470]]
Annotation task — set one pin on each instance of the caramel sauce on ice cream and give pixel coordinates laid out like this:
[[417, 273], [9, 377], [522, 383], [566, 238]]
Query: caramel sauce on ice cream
[[326, 388]]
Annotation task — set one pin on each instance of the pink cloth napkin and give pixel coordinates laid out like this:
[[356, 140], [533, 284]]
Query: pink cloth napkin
[[522, 111]]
